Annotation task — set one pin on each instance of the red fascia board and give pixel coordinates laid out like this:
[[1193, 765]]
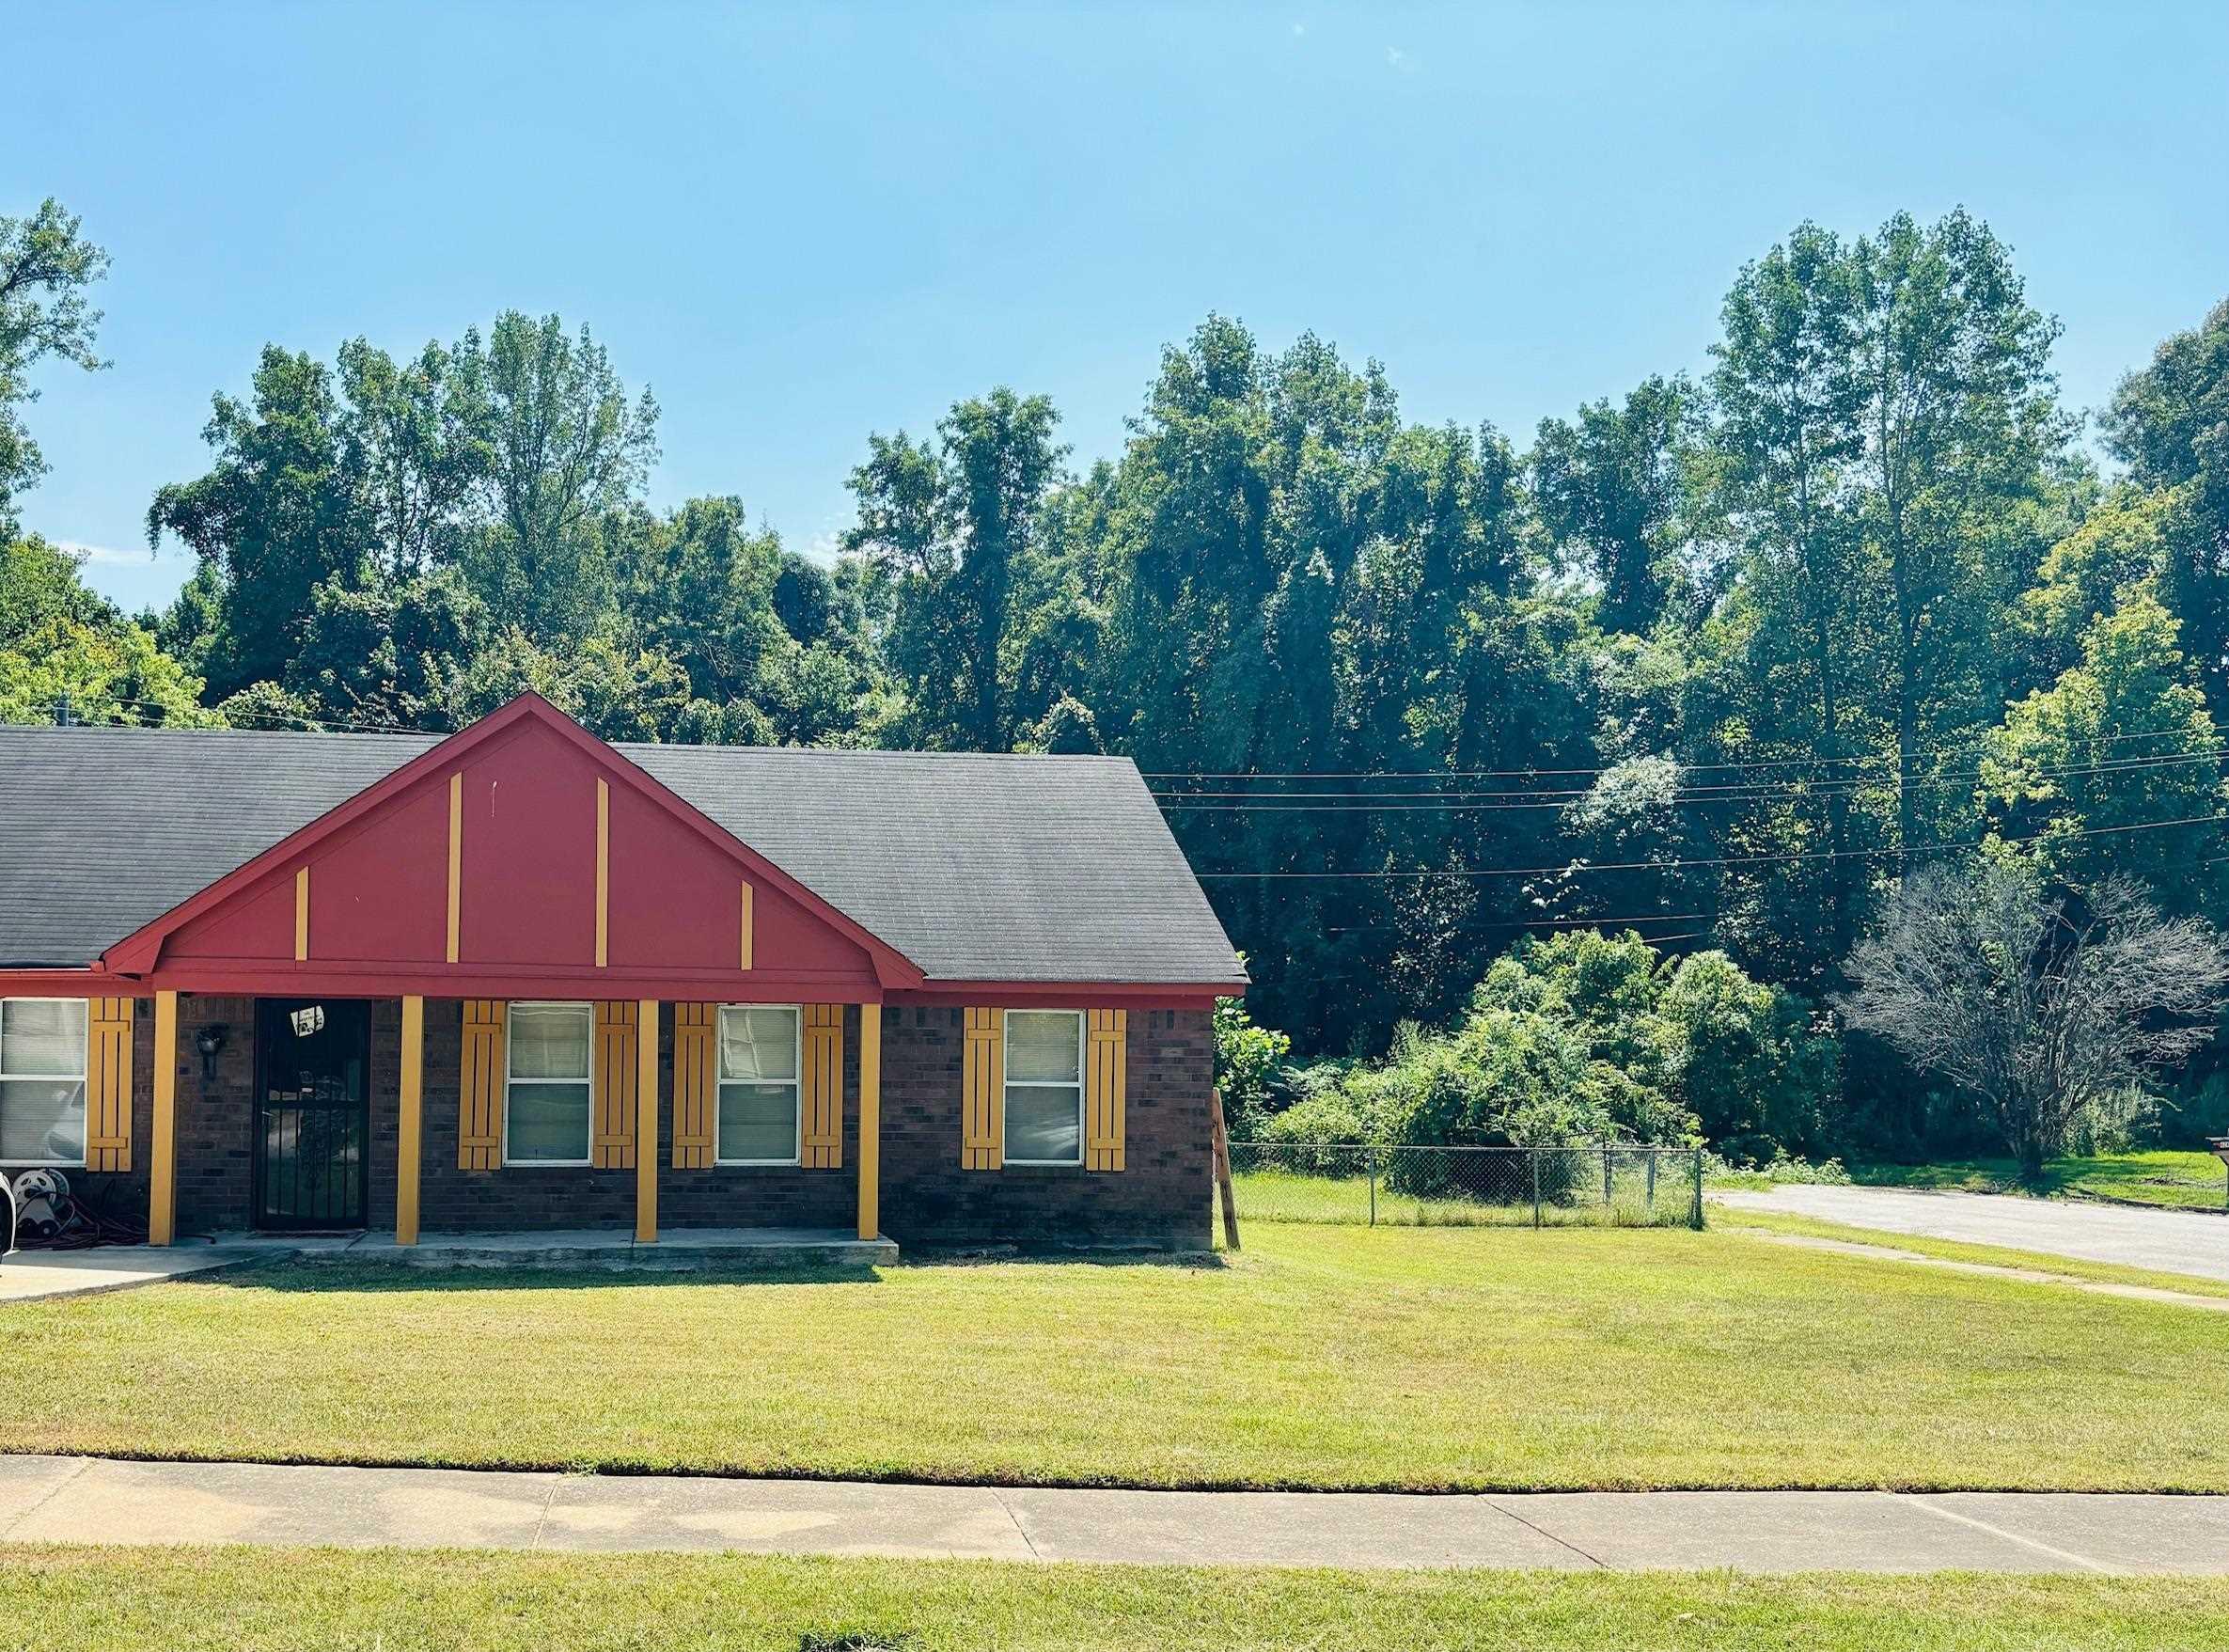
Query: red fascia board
[[450, 982], [1069, 995], [437, 981], [138, 953], [69, 983]]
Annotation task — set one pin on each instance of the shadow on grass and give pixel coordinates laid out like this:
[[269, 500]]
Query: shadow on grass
[[2129, 1177], [341, 1276]]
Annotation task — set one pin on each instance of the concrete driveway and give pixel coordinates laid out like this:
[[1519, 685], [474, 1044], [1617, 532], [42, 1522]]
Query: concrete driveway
[[2168, 1241]]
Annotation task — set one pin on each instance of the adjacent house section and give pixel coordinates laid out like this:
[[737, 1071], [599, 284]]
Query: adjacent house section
[[519, 979]]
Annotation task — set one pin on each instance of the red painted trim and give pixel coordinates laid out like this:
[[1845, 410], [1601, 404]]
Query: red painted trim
[[466, 981], [139, 952], [456, 981], [69, 983], [1070, 994]]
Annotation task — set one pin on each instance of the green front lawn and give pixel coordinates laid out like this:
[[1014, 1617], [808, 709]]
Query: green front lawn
[[2161, 1176], [1320, 1356], [183, 1600]]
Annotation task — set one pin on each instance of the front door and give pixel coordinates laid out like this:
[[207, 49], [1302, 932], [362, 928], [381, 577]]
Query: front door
[[313, 1113]]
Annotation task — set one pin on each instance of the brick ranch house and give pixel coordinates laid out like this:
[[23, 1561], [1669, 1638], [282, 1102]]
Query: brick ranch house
[[518, 979]]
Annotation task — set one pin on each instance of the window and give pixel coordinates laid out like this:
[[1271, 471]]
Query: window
[[546, 1093], [759, 1061], [42, 1080], [1045, 1087]]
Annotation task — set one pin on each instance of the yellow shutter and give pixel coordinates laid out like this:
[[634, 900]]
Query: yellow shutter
[[696, 1083], [108, 1084], [983, 1092], [1105, 1078], [479, 1088], [821, 1092], [613, 1147]]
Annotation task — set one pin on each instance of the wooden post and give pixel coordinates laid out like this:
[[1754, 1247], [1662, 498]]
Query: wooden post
[[162, 1171], [646, 1121], [410, 1120], [1220, 1148], [871, 1120]]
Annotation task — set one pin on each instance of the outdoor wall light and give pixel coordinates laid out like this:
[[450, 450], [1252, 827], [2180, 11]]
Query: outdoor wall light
[[209, 1040]]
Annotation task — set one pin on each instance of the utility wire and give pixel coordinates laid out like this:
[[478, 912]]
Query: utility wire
[[1563, 797], [1515, 774], [1575, 867]]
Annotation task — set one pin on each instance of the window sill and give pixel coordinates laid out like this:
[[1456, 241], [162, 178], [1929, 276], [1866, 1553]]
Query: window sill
[[756, 1164]]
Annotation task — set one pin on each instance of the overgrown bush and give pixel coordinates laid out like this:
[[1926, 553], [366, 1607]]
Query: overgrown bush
[[1246, 1058], [1583, 1037]]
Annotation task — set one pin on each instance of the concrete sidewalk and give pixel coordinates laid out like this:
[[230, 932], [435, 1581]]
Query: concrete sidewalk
[[81, 1499]]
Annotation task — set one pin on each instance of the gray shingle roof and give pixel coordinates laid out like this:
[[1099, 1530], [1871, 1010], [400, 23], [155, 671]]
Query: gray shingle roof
[[975, 867]]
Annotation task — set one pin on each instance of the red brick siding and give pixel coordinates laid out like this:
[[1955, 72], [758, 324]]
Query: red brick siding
[[1159, 1201]]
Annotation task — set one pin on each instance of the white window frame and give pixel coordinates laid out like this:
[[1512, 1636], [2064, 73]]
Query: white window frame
[[796, 1088], [84, 1079], [1082, 1024], [569, 1164]]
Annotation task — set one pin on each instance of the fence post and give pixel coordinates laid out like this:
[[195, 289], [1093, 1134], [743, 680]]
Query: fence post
[[1218, 1147], [1534, 1154], [1606, 1178], [1370, 1158], [1652, 1181], [1695, 1217]]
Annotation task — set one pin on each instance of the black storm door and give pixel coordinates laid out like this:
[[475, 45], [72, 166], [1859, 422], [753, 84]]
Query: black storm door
[[313, 1113]]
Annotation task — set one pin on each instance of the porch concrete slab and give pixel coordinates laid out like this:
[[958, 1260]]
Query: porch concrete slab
[[825, 1517], [1272, 1528], [30, 1276], [2129, 1531], [677, 1249], [1770, 1531]]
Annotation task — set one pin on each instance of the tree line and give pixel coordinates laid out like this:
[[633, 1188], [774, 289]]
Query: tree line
[[1718, 661]]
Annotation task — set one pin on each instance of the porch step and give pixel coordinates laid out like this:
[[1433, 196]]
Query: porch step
[[676, 1251]]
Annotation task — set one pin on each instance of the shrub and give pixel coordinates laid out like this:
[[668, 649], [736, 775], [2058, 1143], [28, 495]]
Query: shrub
[[1583, 1037], [1246, 1060]]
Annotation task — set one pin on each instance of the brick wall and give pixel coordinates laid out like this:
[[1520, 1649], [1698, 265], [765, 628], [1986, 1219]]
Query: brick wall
[[1160, 1200], [215, 1166]]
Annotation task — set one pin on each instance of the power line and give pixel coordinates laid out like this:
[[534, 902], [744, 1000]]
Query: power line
[[1516, 773], [1576, 867], [1453, 802], [1536, 922]]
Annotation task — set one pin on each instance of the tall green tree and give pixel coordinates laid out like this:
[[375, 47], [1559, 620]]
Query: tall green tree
[[46, 268], [1612, 491], [276, 515], [564, 447], [2170, 422], [957, 525], [1958, 420]]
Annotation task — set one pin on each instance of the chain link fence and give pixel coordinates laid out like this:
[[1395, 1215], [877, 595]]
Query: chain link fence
[[1469, 1187]]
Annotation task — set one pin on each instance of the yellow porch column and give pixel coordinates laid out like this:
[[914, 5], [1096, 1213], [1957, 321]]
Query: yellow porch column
[[871, 1120], [162, 1171], [408, 1121], [646, 1121]]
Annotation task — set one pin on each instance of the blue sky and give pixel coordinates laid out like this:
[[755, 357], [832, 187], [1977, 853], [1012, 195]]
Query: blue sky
[[801, 225]]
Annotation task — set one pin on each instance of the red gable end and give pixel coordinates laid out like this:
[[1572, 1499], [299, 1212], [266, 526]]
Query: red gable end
[[559, 868]]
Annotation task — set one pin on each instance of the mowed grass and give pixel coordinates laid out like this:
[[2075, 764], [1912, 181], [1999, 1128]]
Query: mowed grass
[[2180, 1179], [1320, 1357], [185, 1599]]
